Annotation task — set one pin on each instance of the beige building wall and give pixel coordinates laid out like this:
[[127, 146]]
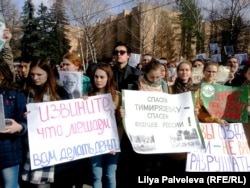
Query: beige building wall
[[146, 30], [129, 26]]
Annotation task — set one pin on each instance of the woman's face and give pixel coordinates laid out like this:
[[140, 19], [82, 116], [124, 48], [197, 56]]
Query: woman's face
[[38, 76], [154, 75], [184, 72], [247, 74], [210, 73], [67, 65], [100, 78], [163, 71]]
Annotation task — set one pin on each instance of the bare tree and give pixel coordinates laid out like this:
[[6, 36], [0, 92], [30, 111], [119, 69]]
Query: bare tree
[[86, 14], [230, 21], [12, 21], [146, 28]]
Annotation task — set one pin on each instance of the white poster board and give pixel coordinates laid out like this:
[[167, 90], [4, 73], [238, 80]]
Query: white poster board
[[68, 130], [226, 150], [222, 75], [197, 74], [134, 59], [2, 116], [158, 122]]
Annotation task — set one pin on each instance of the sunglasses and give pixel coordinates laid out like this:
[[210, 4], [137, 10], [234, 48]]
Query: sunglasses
[[122, 52]]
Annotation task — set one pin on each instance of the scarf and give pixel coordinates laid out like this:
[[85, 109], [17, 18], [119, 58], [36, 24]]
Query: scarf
[[30, 97], [180, 87], [158, 83], [246, 83]]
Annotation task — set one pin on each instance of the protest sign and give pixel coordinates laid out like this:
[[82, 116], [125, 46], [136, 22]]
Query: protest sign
[[197, 74], [216, 57], [213, 48], [241, 57], [158, 122], [134, 59], [2, 27], [68, 130], [2, 116], [226, 149], [201, 56], [72, 83], [225, 102], [229, 50], [222, 75]]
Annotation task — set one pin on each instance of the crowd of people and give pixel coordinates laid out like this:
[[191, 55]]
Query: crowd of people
[[35, 81]]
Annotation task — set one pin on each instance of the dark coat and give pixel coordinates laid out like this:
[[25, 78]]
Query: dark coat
[[127, 78], [11, 144], [237, 81]]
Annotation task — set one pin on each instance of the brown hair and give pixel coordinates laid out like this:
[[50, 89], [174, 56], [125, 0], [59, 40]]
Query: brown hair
[[73, 58], [111, 84], [50, 85], [152, 65], [208, 63]]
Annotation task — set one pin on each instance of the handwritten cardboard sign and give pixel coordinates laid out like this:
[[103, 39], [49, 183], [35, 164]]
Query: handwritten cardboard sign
[[197, 74], [221, 76], [226, 102], [226, 149], [68, 130], [158, 122]]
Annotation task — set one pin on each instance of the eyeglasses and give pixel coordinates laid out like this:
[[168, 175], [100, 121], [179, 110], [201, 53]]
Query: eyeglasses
[[122, 52]]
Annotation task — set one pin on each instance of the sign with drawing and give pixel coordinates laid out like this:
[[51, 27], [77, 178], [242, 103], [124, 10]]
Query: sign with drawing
[[216, 58], [225, 102], [213, 48], [241, 57], [158, 122], [229, 50], [72, 83], [201, 56]]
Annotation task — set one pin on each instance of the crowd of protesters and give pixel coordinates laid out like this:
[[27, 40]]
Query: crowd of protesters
[[35, 81]]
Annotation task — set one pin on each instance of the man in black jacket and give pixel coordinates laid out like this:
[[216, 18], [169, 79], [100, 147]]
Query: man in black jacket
[[126, 78], [236, 78]]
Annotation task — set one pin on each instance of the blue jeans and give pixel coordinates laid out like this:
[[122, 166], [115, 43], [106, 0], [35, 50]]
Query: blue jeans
[[104, 164], [10, 177]]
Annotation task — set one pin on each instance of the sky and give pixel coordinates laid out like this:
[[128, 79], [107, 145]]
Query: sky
[[20, 3], [48, 3], [113, 3]]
